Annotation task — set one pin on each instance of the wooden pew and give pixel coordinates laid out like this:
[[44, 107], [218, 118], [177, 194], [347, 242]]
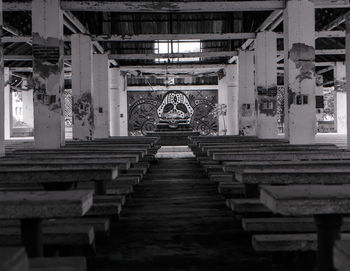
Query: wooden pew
[[327, 203], [342, 255], [38, 206], [58, 264], [13, 259], [59, 237], [57, 177], [270, 225]]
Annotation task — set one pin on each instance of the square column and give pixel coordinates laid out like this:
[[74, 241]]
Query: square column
[[347, 65], [8, 105], [340, 97], [48, 75], [246, 94], [27, 99], [228, 96], [266, 84], [299, 75], [82, 88], [101, 95], [2, 88], [118, 105]]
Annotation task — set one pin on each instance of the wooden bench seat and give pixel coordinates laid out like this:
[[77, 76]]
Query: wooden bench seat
[[309, 175], [220, 177], [54, 235], [231, 189], [74, 162], [342, 255], [285, 224], [243, 206], [13, 259], [279, 156], [58, 264], [100, 225], [128, 180], [110, 198], [288, 242], [105, 209]]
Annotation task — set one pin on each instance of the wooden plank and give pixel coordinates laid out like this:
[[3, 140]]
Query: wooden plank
[[44, 204], [288, 242], [13, 259], [307, 199], [342, 255], [264, 156], [161, 7], [66, 263]]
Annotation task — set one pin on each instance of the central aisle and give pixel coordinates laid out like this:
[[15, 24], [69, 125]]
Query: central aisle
[[176, 220]]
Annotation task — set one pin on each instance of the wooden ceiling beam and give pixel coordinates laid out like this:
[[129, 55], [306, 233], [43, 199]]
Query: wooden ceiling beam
[[336, 22], [164, 7], [153, 37]]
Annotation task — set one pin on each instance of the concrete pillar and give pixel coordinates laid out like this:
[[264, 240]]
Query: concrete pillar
[[2, 87], [8, 105], [266, 84], [347, 65], [340, 97], [299, 76], [82, 87], [228, 98], [101, 95], [48, 80], [118, 103], [246, 94], [28, 110]]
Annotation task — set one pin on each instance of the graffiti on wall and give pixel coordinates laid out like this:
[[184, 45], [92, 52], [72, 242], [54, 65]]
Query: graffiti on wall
[[147, 108]]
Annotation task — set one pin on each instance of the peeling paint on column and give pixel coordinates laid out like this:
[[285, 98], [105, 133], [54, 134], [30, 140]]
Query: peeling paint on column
[[304, 58], [340, 86], [247, 120], [83, 111], [47, 61]]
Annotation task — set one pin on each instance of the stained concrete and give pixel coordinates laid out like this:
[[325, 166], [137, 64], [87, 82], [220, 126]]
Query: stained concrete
[[176, 220]]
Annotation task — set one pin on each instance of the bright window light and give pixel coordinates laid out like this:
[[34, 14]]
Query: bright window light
[[177, 46]]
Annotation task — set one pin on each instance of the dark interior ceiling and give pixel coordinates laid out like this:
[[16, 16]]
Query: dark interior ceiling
[[171, 23]]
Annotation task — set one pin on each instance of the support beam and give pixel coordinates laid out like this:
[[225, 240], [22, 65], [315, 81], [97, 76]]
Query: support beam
[[340, 97], [347, 65], [101, 95], [246, 94], [203, 36], [266, 84], [299, 46], [8, 105], [82, 88], [178, 7], [336, 22], [228, 99], [48, 82], [173, 55], [81, 29], [118, 102], [2, 88]]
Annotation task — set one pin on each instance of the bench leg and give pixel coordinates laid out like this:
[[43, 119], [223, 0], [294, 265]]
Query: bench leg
[[100, 188], [58, 186], [328, 231], [251, 190], [32, 237]]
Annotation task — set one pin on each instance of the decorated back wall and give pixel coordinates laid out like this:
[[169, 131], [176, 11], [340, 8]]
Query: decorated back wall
[[146, 108]]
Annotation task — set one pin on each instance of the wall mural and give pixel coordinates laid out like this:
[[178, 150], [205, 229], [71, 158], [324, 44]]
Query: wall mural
[[147, 108]]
